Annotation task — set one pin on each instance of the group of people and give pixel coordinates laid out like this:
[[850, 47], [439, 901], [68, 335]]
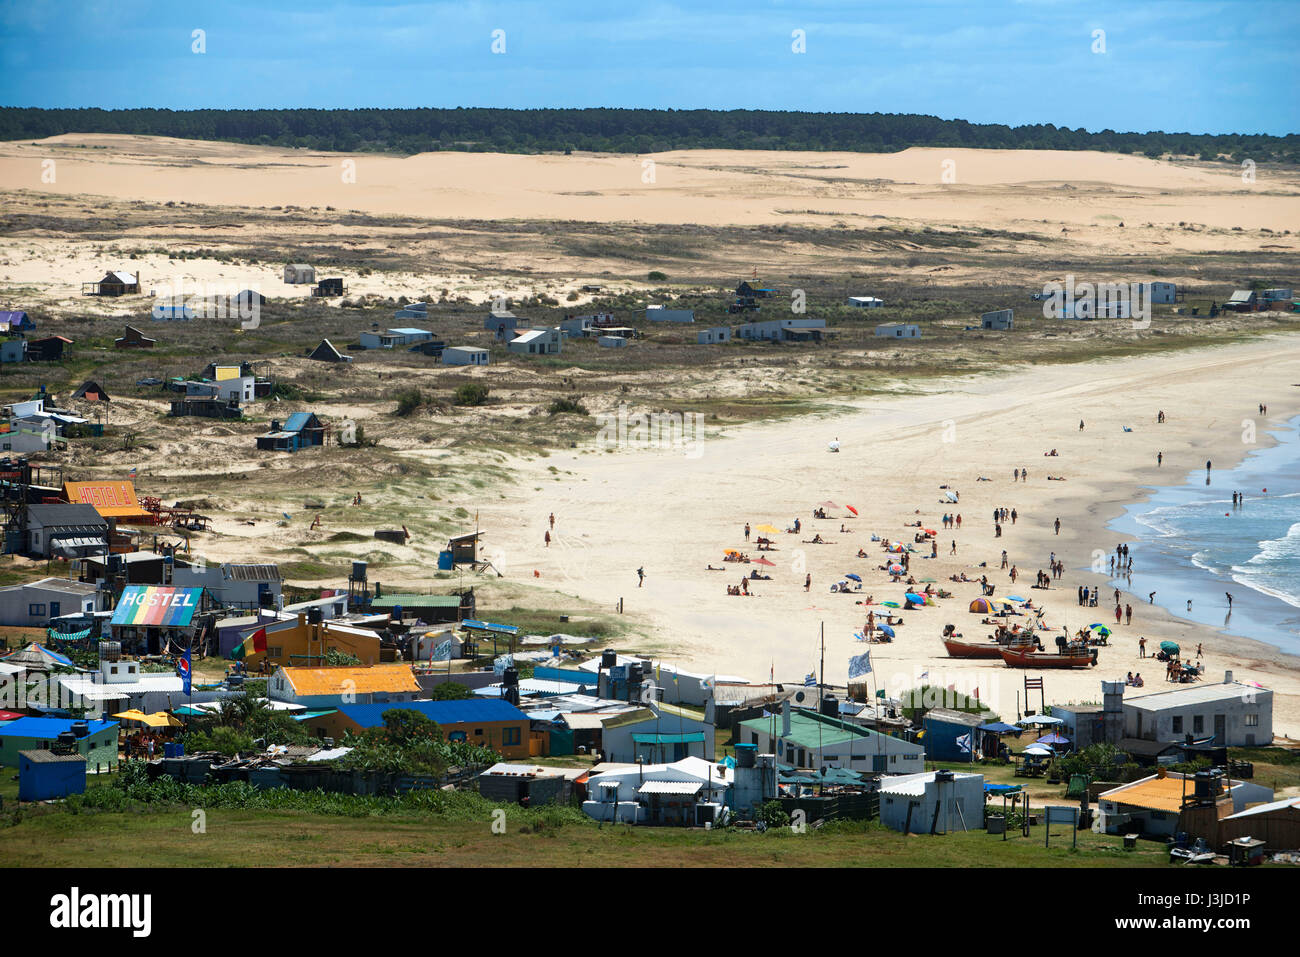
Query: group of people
[[951, 521]]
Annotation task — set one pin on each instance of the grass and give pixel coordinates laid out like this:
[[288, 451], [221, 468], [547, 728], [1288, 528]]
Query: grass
[[279, 838]]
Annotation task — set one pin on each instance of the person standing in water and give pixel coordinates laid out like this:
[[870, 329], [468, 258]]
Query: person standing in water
[[1160, 459]]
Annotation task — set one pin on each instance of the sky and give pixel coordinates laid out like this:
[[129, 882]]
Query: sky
[[1198, 66]]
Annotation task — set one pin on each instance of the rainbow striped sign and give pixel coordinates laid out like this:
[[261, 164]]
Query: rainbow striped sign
[[157, 605]]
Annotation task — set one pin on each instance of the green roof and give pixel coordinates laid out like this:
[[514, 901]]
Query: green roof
[[416, 601], [809, 729], [667, 738]]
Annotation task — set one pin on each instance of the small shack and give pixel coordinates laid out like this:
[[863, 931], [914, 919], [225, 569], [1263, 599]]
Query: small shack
[[49, 349], [46, 776], [1001, 320], [12, 323], [328, 288], [133, 338], [899, 330], [464, 356], [464, 548], [91, 391], [113, 284], [865, 302], [660, 314], [300, 431], [537, 342], [712, 336], [297, 274], [325, 352]]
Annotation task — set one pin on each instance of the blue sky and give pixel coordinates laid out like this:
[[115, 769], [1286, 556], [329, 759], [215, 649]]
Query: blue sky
[[1199, 66]]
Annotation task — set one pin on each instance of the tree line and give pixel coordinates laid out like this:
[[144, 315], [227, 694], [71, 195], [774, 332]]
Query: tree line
[[408, 131]]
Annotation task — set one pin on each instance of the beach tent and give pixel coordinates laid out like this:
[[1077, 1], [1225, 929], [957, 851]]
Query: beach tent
[[37, 657], [981, 606], [1170, 647]]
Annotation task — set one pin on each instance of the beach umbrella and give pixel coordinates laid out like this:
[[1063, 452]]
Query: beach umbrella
[[885, 629], [851, 509], [828, 505], [833, 446], [1015, 598], [764, 561], [890, 604], [856, 578], [981, 606], [1097, 624], [1102, 630], [896, 547], [952, 496], [730, 551], [1053, 738], [767, 529], [929, 531], [1170, 647], [1040, 719], [914, 598], [895, 569], [1038, 749]]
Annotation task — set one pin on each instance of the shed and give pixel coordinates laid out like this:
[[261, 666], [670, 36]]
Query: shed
[[716, 334], [113, 284], [49, 349], [865, 302], [91, 391], [1001, 319], [899, 330], [660, 314], [464, 356], [96, 741], [45, 776], [537, 342], [133, 338], [13, 350], [12, 322], [300, 431], [329, 288], [611, 342], [951, 735], [325, 352], [299, 273]]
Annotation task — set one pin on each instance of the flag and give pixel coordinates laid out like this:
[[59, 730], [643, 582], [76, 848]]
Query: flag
[[860, 665], [810, 680], [443, 651], [131, 473], [964, 742], [977, 694], [880, 693], [925, 676], [254, 644], [183, 669], [707, 683]]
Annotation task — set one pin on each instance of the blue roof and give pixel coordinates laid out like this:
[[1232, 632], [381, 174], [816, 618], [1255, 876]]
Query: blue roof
[[47, 728], [440, 712], [297, 422], [411, 332]]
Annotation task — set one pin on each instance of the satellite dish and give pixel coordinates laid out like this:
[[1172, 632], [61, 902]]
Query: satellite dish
[[799, 697]]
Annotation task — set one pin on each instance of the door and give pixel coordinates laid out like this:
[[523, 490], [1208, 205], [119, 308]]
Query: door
[[54, 609], [1220, 729], [880, 762]]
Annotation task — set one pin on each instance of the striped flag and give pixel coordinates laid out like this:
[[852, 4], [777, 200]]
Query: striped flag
[[810, 680], [965, 743], [131, 472]]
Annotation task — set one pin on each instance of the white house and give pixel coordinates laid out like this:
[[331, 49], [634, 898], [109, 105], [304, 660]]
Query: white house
[[33, 604], [1001, 319], [1154, 805], [899, 330], [1161, 292], [864, 302], [660, 314], [394, 338], [938, 801], [1237, 715], [659, 732], [714, 335], [805, 739], [783, 330], [243, 585], [536, 342], [297, 273], [611, 342], [686, 792], [464, 356]]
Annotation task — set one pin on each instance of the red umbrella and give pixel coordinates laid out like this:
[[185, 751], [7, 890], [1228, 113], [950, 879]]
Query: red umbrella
[[828, 505], [764, 561], [929, 531], [851, 509]]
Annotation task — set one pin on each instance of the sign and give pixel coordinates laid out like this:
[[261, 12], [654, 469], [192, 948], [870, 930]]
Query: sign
[[110, 499], [157, 605]]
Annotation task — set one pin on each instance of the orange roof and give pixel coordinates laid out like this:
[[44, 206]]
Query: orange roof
[[363, 680], [1155, 794], [110, 499]]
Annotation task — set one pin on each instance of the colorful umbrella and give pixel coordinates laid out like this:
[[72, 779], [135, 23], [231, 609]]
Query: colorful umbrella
[[886, 630], [1170, 647], [981, 606], [914, 598], [1103, 630], [929, 531], [896, 547], [890, 604], [895, 569], [851, 509], [828, 505], [764, 561]]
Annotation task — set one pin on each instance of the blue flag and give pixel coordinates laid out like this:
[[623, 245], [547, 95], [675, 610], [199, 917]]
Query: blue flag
[[183, 669], [860, 665]]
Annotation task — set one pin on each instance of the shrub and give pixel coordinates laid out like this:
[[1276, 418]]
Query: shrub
[[224, 740], [570, 406], [408, 401], [471, 393], [773, 814], [656, 276], [451, 691]]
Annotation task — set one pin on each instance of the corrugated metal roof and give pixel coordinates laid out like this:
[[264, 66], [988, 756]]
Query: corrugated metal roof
[[251, 572], [364, 680], [416, 601], [1155, 794], [39, 756], [297, 422], [670, 787], [440, 712]]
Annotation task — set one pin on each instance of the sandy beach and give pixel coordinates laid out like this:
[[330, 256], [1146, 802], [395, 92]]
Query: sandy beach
[[674, 514]]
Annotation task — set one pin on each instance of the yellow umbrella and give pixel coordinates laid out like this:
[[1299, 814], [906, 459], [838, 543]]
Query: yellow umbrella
[[767, 529], [132, 715], [161, 719]]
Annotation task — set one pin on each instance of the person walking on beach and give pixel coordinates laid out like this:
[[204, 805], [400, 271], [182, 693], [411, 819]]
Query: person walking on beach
[[807, 581], [997, 513], [1128, 614], [1013, 574], [1198, 649], [1016, 475], [1058, 526], [1151, 598], [747, 531], [1142, 647], [1160, 459], [1081, 425], [1119, 614], [954, 547], [1229, 594], [1004, 558], [1013, 516], [959, 519], [997, 530], [871, 624], [547, 538], [640, 577], [552, 520]]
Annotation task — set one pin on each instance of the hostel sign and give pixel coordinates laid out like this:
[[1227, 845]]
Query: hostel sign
[[157, 605]]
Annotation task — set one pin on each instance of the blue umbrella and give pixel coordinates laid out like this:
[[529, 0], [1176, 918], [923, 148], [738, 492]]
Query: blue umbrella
[[886, 630], [856, 578], [915, 598], [1015, 598]]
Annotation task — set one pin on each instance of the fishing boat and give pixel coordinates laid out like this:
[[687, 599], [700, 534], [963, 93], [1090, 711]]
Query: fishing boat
[[1017, 658]]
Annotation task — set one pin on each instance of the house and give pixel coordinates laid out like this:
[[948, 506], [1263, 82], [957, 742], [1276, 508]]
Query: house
[[784, 330], [657, 733], [113, 284], [118, 686], [1160, 292], [46, 776], [1089, 724], [31, 427], [864, 302], [1167, 802], [899, 330], [502, 322], [299, 273], [302, 430], [1242, 300], [394, 338], [133, 338], [413, 310], [33, 604], [689, 793], [748, 290], [65, 531], [1276, 823], [613, 341], [933, 802], [661, 314], [330, 686], [91, 391], [207, 408], [231, 584], [325, 352], [576, 325], [165, 312], [1098, 307], [329, 287], [714, 335], [953, 735], [48, 349], [464, 356], [1237, 715], [491, 723], [540, 342], [301, 637], [13, 350], [12, 323], [1001, 320], [430, 609], [528, 784], [150, 618], [806, 739], [96, 741]]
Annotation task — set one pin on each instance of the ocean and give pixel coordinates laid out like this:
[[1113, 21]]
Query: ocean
[[1191, 543]]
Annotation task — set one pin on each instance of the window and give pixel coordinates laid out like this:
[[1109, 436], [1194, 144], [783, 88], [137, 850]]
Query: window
[[478, 732], [36, 610], [893, 759], [1178, 724], [1198, 723], [1251, 720], [275, 651], [509, 735]]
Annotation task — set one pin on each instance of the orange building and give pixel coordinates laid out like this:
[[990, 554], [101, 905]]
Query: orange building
[[302, 642]]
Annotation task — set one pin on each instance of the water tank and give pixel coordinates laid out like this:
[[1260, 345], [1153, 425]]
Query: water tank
[[943, 775], [510, 677], [67, 742], [830, 706], [1207, 785], [358, 571], [314, 616], [608, 659], [80, 728], [745, 755], [110, 651]]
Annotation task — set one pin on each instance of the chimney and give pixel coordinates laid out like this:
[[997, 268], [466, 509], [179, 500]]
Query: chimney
[[1227, 677], [785, 718]]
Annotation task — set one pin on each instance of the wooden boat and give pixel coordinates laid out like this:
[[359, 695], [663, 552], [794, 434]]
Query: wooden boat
[[983, 649], [1016, 658]]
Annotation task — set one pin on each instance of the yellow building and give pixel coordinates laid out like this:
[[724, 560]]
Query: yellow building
[[301, 642]]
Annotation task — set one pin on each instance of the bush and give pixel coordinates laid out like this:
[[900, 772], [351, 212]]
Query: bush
[[227, 741], [408, 402], [471, 393], [451, 691], [570, 406], [773, 814]]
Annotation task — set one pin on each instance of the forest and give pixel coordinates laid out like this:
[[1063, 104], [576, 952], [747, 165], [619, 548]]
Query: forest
[[407, 131]]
